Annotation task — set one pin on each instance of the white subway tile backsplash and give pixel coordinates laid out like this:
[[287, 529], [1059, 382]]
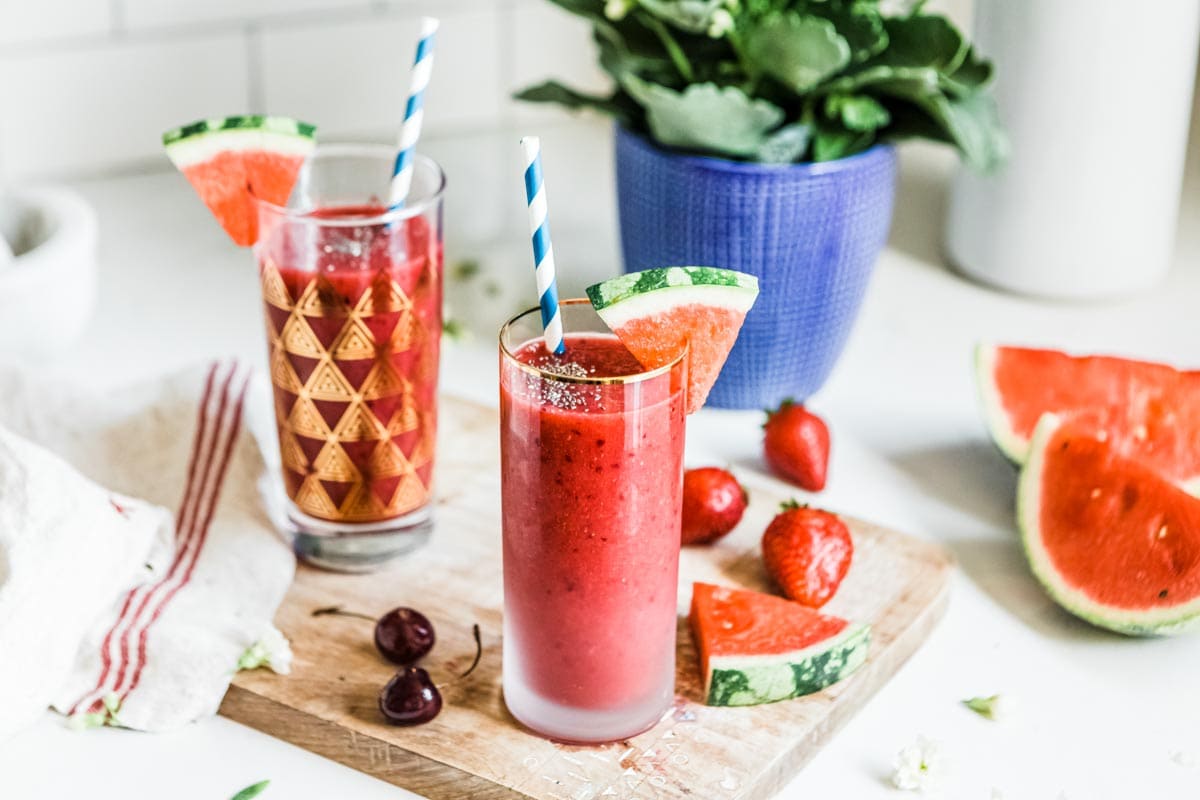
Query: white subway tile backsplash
[[548, 43], [142, 14], [351, 78], [93, 108], [27, 21]]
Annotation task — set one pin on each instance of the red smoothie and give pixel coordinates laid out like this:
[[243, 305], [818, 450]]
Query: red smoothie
[[592, 483], [353, 318]]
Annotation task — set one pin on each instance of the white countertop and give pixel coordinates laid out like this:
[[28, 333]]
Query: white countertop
[[1095, 715]]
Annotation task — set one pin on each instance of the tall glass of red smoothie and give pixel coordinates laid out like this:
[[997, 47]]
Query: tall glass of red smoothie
[[352, 294], [592, 477]]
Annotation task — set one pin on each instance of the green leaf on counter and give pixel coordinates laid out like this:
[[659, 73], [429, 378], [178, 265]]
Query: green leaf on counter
[[252, 791], [986, 707], [798, 51], [706, 117]]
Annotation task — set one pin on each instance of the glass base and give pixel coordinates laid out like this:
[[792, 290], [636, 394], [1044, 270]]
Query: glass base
[[579, 725], [357, 546]]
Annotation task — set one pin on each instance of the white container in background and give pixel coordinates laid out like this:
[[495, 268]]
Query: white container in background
[[1096, 98], [48, 288]]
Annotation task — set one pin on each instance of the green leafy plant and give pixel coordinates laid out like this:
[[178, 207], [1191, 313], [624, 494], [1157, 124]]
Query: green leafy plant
[[779, 81]]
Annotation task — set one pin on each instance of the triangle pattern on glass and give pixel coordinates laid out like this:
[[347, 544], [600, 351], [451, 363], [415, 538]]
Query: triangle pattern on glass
[[425, 474], [359, 425], [284, 402], [407, 442], [291, 453], [382, 324], [313, 499], [311, 447], [333, 464], [356, 341], [305, 420], [411, 492], [292, 481], [355, 371], [382, 382], [274, 291], [359, 453], [299, 340], [384, 408], [388, 460], [326, 329], [327, 383], [385, 297], [276, 319], [385, 488], [406, 420], [331, 411], [337, 490], [407, 332], [282, 373]]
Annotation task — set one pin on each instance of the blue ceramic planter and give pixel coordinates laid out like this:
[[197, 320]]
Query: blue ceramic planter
[[810, 232]]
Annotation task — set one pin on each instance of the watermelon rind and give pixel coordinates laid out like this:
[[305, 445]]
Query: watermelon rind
[[755, 679], [200, 141], [1014, 446], [1135, 622], [640, 294]]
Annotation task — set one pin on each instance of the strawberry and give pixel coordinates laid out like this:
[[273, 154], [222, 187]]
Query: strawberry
[[796, 445], [713, 504], [807, 552]]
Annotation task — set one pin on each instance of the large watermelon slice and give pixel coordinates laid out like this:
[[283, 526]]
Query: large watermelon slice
[[1149, 412], [228, 160], [657, 312], [759, 648], [1113, 541]]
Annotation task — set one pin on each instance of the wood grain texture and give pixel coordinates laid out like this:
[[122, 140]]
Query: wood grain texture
[[474, 748]]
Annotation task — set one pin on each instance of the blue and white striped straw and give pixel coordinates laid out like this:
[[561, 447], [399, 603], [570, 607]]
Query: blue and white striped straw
[[414, 112], [543, 250]]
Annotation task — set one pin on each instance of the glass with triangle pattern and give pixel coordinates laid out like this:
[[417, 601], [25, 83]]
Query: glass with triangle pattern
[[352, 296]]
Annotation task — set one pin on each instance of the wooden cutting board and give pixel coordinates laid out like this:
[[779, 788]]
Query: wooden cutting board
[[474, 748]]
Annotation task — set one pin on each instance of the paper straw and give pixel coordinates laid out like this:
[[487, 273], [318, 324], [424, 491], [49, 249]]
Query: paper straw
[[414, 112], [543, 250]]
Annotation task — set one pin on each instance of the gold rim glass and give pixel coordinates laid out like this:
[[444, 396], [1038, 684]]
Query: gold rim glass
[[578, 317]]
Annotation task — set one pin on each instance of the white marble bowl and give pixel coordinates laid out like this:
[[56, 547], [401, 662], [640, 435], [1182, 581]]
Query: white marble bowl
[[48, 285]]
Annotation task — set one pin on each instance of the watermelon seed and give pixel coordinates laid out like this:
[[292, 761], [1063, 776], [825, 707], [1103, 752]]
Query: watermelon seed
[[1162, 532], [1162, 595], [1095, 493]]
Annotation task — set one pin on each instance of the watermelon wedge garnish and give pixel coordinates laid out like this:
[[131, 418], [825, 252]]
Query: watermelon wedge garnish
[[657, 312], [1146, 411], [229, 160], [1113, 542], [759, 648]]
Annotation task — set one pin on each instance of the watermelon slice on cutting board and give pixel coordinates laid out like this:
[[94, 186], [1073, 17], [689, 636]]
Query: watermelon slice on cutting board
[[759, 648], [1113, 541], [230, 160], [1148, 412], [657, 312]]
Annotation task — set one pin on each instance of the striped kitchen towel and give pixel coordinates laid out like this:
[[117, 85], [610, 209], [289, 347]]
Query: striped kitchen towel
[[165, 576]]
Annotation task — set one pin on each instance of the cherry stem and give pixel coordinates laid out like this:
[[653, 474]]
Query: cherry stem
[[478, 651], [336, 611]]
